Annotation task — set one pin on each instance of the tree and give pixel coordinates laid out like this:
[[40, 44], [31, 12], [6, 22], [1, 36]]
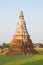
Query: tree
[[0, 46], [7, 45], [4, 45]]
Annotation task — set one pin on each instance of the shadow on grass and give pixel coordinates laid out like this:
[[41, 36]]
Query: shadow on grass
[[39, 62], [9, 58]]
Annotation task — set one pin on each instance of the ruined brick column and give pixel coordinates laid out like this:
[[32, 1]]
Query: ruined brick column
[[21, 42]]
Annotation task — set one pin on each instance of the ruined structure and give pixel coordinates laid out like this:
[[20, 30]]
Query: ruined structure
[[21, 42]]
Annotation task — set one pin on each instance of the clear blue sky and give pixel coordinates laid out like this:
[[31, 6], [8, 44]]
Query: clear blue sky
[[9, 13]]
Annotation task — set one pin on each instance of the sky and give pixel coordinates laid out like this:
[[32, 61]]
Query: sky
[[9, 15]]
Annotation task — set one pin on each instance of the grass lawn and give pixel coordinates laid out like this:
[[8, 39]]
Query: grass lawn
[[21, 59]]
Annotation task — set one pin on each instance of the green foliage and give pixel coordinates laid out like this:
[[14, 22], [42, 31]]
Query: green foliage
[[9, 59], [0, 46], [5, 45]]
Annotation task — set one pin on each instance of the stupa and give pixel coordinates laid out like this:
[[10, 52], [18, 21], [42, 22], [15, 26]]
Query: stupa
[[21, 42]]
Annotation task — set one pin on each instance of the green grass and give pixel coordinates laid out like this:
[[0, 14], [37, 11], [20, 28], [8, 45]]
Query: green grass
[[21, 59]]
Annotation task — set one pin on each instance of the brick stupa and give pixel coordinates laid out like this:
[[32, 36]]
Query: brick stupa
[[21, 42]]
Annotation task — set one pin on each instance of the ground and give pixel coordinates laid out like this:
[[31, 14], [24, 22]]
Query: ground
[[9, 59]]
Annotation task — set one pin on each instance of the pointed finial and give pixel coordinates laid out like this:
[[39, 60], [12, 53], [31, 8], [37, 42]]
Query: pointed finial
[[21, 14]]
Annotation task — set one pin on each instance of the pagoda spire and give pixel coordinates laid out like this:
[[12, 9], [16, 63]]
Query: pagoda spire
[[21, 14], [21, 42]]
